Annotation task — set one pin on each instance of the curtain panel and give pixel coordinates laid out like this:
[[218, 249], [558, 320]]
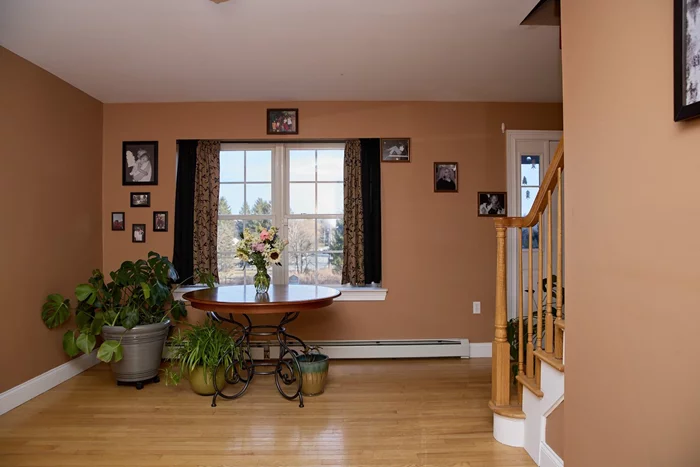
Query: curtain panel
[[370, 154], [354, 248], [184, 210], [206, 208]]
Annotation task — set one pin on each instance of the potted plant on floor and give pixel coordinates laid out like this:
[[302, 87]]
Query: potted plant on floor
[[132, 312], [197, 353], [314, 371]]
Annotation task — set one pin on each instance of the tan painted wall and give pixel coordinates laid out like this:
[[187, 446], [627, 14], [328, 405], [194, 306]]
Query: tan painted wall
[[555, 435], [632, 255], [420, 228], [51, 189]]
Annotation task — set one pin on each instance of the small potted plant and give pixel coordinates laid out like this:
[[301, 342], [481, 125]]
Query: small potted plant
[[314, 371], [197, 352]]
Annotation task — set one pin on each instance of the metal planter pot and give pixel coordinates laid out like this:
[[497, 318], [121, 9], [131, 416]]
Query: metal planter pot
[[314, 372], [202, 382], [143, 350]]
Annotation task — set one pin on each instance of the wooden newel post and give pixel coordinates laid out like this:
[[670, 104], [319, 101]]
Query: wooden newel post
[[500, 373]]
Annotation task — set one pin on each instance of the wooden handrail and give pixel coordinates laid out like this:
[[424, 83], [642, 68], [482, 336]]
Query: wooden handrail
[[540, 204]]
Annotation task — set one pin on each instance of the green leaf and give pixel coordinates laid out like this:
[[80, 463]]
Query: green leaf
[[86, 342], [69, 344], [97, 323], [86, 292], [179, 310], [146, 290], [55, 311], [110, 316], [130, 317], [110, 350], [83, 320]]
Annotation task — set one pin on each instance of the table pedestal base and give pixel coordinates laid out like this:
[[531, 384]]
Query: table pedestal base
[[285, 368]]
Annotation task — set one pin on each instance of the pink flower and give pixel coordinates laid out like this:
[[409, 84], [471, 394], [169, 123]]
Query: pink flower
[[259, 247], [264, 235]]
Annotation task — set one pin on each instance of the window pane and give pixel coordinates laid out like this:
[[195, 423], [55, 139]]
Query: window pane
[[229, 234], [231, 166], [527, 198], [258, 198], [258, 166], [302, 268], [535, 237], [230, 269], [301, 198], [300, 233], [530, 170], [330, 234], [257, 225], [231, 198], [330, 165], [302, 165], [330, 268], [330, 198]]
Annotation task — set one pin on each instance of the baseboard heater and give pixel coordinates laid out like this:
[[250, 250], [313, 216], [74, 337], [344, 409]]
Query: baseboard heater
[[422, 348]]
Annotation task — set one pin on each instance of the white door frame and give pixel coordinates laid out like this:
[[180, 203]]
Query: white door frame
[[512, 138]]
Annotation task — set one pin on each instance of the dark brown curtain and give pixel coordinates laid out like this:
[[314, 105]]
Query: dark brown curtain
[[206, 208], [354, 248]]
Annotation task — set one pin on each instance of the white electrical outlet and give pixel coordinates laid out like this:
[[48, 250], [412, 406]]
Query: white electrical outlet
[[476, 307]]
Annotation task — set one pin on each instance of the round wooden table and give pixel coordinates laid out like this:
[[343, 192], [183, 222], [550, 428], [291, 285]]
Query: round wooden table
[[289, 300]]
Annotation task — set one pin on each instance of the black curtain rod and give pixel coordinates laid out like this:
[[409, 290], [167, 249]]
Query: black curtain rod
[[294, 141]]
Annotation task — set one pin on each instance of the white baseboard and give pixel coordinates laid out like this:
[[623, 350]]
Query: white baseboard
[[30, 389], [549, 458], [480, 349]]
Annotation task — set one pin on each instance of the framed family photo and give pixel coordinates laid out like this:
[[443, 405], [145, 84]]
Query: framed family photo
[[140, 200], [140, 163], [492, 204], [118, 221], [138, 233], [396, 149], [282, 121], [160, 221], [686, 57], [445, 177]]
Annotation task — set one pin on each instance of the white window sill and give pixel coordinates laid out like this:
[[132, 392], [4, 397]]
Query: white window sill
[[348, 293]]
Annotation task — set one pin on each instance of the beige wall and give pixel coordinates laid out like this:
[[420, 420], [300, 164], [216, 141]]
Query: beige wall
[[632, 255], [422, 230], [556, 434], [51, 189]]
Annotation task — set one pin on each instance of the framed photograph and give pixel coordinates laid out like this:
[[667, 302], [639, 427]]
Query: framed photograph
[[138, 233], [140, 200], [445, 177], [140, 163], [160, 221], [282, 121], [396, 149], [686, 58], [118, 221], [492, 204]]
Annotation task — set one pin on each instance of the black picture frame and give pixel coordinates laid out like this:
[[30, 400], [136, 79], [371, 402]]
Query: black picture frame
[[445, 186], [275, 117], [389, 146], [483, 196], [158, 226], [134, 229], [136, 203], [116, 226], [130, 155], [681, 109]]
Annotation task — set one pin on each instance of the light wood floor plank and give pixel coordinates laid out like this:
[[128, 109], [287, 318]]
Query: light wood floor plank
[[374, 413]]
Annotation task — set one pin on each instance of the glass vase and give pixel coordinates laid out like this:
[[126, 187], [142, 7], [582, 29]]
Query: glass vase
[[261, 281]]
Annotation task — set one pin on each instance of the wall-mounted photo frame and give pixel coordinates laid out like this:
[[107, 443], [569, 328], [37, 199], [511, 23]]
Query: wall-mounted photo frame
[[118, 221], [396, 149], [492, 204], [140, 199], [282, 121], [160, 221], [139, 163], [138, 233], [445, 177], [686, 59]]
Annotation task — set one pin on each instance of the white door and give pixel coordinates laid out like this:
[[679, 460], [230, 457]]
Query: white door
[[529, 155]]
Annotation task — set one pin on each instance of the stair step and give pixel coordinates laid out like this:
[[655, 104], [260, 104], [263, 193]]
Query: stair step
[[550, 359], [510, 411], [560, 323], [531, 384]]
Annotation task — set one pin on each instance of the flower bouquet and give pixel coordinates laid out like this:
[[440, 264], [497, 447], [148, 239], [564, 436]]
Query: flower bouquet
[[261, 250]]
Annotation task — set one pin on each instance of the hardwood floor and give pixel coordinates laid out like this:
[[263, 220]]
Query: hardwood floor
[[374, 413]]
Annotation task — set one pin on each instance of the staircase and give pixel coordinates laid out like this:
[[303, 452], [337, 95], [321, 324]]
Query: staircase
[[528, 351]]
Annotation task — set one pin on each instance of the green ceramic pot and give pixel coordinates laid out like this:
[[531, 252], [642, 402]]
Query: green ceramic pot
[[314, 372], [205, 386]]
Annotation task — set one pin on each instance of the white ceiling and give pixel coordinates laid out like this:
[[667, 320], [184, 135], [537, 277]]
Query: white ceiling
[[196, 50]]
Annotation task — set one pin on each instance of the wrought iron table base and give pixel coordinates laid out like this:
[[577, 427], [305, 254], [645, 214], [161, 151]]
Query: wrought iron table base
[[243, 368]]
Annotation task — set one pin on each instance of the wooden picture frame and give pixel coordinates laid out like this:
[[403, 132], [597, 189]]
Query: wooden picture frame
[[138, 233], [118, 221], [140, 199], [160, 221], [282, 121], [484, 206], [395, 149], [686, 96], [139, 163], [445, 177]]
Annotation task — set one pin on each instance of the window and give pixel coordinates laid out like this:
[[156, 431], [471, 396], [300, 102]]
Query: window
[[297, 187], [529, 186]]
